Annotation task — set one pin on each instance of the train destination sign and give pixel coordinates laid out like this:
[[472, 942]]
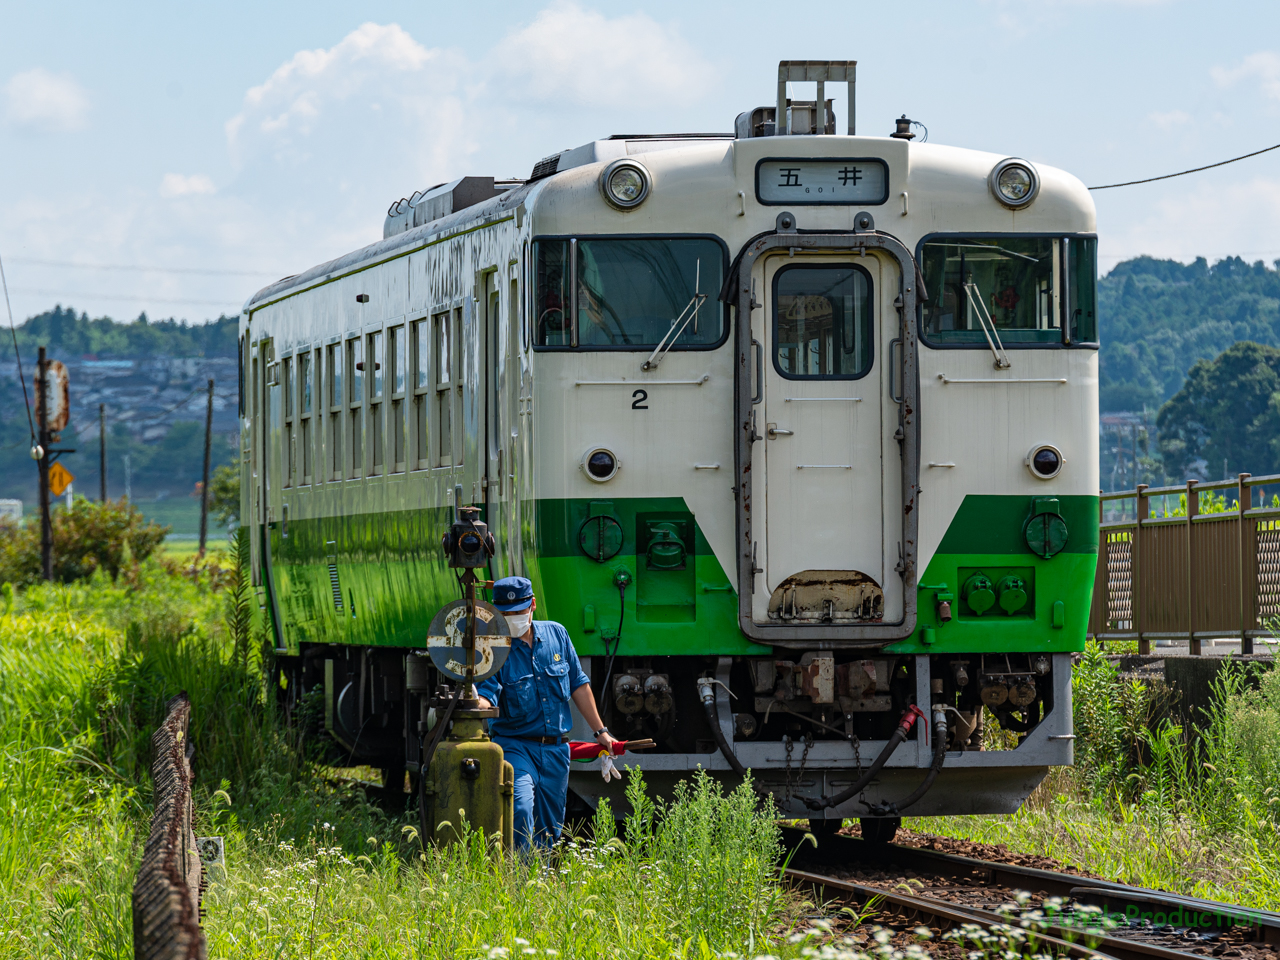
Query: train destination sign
[[798, 182]]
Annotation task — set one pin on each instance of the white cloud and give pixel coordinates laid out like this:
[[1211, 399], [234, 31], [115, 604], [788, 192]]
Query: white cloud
[[374, 73], [575, 56], [178, 185], [1262, 67], [1157, 225], [1170, 120], [45, 101]]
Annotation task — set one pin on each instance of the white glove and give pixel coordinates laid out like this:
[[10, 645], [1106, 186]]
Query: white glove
[[608, 770]]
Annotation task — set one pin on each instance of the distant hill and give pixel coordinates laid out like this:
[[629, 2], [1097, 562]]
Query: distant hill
[[1158, 317], [72, 337], [151, 376]]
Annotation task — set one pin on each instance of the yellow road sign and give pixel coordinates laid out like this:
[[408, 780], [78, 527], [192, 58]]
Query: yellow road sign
[[59, 479]]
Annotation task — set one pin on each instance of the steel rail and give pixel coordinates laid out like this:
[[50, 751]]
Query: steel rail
[[1067, 941], [1108, 894]]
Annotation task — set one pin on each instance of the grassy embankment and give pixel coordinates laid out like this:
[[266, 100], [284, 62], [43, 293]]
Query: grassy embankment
[[1193, 811], [314, 870]]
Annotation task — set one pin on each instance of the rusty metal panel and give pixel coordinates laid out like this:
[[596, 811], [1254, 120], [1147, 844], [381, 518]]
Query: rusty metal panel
[[1217, 574], [1162, 578]]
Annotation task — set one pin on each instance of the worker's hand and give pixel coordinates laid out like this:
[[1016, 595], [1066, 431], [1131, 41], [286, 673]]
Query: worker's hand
[[484, 703], [607, 740]]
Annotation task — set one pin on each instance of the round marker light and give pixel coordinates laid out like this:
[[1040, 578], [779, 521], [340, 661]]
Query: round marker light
[[600, 465], [1045, 461], [1014, 182], [625, 184]]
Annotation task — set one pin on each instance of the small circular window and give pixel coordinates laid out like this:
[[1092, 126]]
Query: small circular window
[[1045, 461], [600, 464]]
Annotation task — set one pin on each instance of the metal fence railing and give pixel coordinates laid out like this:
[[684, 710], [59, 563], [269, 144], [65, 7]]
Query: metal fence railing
[[166, 893], [1189, 563]]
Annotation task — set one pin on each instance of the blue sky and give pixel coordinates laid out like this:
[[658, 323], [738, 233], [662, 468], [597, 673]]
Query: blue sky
[[249, 141]]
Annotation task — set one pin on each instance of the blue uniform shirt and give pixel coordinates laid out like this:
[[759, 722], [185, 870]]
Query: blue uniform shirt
[[532, 689]]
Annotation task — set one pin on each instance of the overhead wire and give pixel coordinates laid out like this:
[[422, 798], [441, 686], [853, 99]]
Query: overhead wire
[[31, 424], [141, 268], [1183, 173]]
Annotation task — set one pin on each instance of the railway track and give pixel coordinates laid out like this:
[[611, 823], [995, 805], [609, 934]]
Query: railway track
[[1071, 915]]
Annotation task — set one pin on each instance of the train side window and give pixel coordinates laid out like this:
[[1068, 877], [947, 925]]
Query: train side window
[[377, 405], [551, 302], [290, 440], [355, 404], [421, 352], [457, 383], [441, 323], [333, 401], [823, 321], [396, 379], [1082, 289], [306, 436]]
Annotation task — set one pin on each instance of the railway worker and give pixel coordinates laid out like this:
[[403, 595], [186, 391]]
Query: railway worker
[[532, 692]]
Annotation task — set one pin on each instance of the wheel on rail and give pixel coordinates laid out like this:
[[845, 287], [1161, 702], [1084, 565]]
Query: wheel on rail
[[822, 829], [879, 829]]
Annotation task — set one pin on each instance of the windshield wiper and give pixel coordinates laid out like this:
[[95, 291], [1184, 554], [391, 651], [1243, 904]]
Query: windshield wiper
[[988, 325], [689, 313]]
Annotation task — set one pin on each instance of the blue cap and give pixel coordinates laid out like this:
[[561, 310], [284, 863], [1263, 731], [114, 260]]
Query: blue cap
[[512, 593]]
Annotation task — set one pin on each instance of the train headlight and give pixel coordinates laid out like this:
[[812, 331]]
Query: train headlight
[[625, 184], [600, 465], [1014, 182], [1044, 461]]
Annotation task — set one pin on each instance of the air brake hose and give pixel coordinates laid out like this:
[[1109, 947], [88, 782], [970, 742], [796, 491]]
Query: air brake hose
[[707, 691], [900, 733], [621, 578], [891, 809]]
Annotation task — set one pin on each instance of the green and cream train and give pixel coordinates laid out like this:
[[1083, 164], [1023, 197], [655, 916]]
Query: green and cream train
[[795, 432]]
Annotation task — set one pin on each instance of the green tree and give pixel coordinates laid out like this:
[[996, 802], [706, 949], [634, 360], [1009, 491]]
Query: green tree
[[224, 495], [90, 536], [1228, 411], [1159, 316]]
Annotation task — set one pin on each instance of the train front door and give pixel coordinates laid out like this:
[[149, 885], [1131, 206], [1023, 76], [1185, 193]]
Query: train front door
[[823, 331]]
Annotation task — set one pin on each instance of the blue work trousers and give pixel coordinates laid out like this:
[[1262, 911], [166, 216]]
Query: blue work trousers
[[542, 785]]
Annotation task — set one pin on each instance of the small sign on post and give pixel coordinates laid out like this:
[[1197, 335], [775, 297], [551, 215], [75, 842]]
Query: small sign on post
[[59, 479]]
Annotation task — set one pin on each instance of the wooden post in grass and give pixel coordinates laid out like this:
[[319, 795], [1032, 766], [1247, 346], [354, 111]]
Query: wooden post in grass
[[46, 521], [204, 486], [102, 452]]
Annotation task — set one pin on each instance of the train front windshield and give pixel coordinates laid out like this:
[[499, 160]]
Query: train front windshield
[[629, 292]]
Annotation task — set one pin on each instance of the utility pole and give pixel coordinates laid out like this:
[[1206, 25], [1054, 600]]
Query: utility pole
[[102, 452], [204, 487], [46, 521]]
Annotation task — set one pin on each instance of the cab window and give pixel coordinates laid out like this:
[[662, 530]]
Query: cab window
[[628, 293], [1021, 288]]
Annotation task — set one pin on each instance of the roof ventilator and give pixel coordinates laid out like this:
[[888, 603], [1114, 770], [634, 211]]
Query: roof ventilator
[[440, 201], [799, 117]]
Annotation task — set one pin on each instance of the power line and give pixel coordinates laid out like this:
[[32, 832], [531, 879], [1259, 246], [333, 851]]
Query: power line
[[204, 271], [68, 295], [18, 356], [1183, 173]]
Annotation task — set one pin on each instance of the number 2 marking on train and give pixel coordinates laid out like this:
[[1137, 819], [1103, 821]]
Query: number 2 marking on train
[[639, 402]]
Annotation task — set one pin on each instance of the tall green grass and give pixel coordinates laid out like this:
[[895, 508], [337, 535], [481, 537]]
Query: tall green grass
[[314, 870], [1192, 809]]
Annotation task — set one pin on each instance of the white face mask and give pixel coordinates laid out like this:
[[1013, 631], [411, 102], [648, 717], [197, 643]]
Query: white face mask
[[519, 622]]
